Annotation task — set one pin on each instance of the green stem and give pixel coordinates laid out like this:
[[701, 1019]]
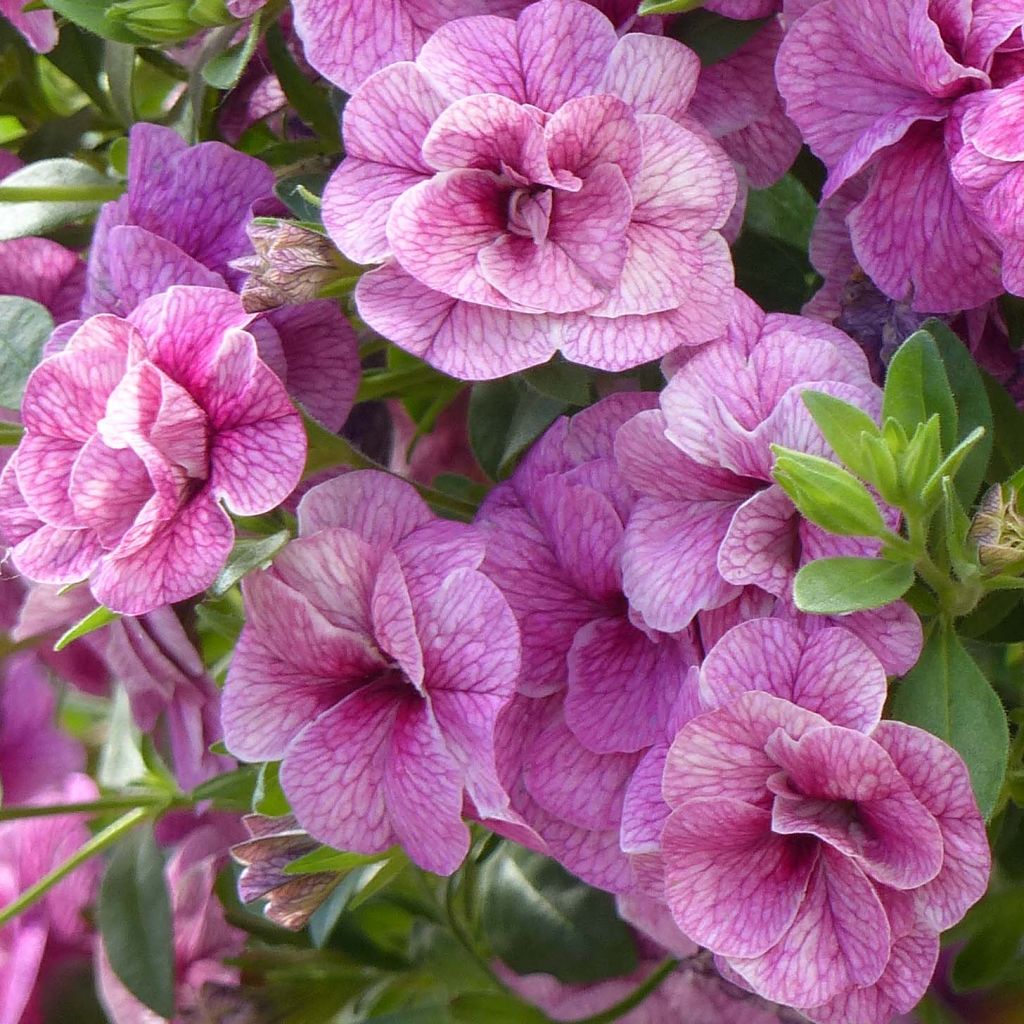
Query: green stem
[[392, 383], [109, 803], [635, 998], [97, 844], [60, 193]]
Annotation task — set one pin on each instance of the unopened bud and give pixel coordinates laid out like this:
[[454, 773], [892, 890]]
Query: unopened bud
[[290, 265], [160, 21], [998, 529]]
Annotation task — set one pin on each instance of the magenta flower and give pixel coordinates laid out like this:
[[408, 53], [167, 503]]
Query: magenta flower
[[348, 40], [29, 849], [34, 754], [817, 850], [38, 27], [886, 87], [565, 208], [710, 521], [184, 221], [47, 273], [202, 938], [989, 169], [133, 435], [374, 661]]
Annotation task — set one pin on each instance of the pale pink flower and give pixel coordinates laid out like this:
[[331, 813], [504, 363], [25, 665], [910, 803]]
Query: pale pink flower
[[817, 850], [38, 27], [134, 434], [373, 663], [573, 207]]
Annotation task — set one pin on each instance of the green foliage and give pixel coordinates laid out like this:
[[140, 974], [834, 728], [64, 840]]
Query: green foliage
[[539, 918], [24, 327], [916, 388], [246, 555], [711, 36], [947, 694], [134, 917], [836, 586], [505, 418], [268, 798], [996, 929]]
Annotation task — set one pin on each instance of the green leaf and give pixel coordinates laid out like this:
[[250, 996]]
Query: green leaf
[[505, 418], [827, 494], [245, 556], [224, 71], [777, 275], [294, 192], [96, 619], [711, 36], [49, 193], [561, 380], [668, 6], [947, 694], [916, 388], [956, 460], [376, 877], [134, 917], [539, 918], [785, 212], [268, 798], [326, 858], [1008, 432], [849, 432], [119, 66], [494, 1008], [121, 762], [230, 791], [835, 586], [973, 408], [997, 928], [309, 100], [24, 327]]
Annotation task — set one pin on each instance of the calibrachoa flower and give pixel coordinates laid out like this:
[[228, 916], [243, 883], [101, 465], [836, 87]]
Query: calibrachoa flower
[[29, 849], [528, 187], [348, 40], [184, 221], [373, 663], [710, 521], [133, 436], [34, 753], [47, 273], [203, 940], [816, 849], [891, 85], [38, 27]]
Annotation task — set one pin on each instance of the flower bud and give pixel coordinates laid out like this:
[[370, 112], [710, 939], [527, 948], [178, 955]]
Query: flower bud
[[291, 264], [160, 21], [998, 529], [827, 495]]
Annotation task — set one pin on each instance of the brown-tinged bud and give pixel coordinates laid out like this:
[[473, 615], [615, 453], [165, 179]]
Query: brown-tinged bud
[[290, 265], [998, 529]]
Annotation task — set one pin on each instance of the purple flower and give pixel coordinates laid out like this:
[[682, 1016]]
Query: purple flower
[[38, 27], [29, 849], [47, 273], [887, 86], [348, 40], [817, 850], [202, 938], [710, 521], [34, 754], [520, 213], [133, 435], [989, 169], [184, 221], [374, 661]]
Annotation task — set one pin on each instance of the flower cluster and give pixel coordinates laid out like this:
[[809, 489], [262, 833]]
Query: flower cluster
[[308, 560]]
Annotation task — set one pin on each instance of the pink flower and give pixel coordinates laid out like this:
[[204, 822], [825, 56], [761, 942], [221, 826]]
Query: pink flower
[[348, 40], [133, 435], [34, 754], [989, 169], [817, 850], [710, 521], [184, 221], [565, 208], [29, 849], [202, 938], [886, 86], [374, 661], [47, 273], [38, 27]]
